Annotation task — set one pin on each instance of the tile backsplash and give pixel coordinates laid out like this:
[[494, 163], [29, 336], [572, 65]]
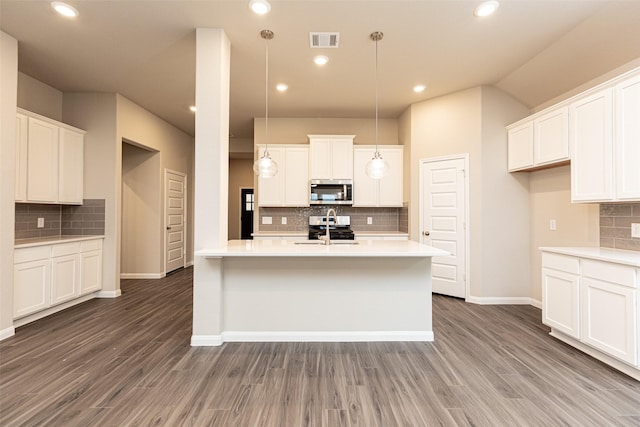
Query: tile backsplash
[[615, 225], [86, 219], [383, 219]]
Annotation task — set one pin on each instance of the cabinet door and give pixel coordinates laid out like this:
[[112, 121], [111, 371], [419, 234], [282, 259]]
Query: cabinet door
[[365, 189], [71, 161], [271, 190], [520, 147], [32, 287], [341, 161], [320, 159], [561, 301], [551, 137], [65, 278], [609, 318], [627, 145], [296, 176], [90, 272], [22, 126], [592, 148], [390, 187], [42, 161]]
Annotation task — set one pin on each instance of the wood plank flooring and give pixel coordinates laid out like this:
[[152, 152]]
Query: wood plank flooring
[[127, 362]]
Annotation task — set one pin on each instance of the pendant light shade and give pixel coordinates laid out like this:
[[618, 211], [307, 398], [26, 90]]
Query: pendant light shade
[[265, 166], [377, 167]]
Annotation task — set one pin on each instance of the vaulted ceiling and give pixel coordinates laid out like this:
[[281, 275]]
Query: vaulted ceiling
[[145, 50]]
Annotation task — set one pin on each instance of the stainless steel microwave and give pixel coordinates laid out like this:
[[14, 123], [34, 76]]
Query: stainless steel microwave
[[331, 192]]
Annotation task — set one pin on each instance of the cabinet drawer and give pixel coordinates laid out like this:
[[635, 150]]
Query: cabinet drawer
[[31, 254], [559, 262], [66, 249], [608, 272], [91, 245]]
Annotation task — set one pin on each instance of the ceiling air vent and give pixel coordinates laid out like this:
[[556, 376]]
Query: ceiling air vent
[[324, 40]]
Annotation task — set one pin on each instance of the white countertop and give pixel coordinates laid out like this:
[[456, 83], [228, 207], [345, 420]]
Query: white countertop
[[288, 248], [51, 240], [602, 254]]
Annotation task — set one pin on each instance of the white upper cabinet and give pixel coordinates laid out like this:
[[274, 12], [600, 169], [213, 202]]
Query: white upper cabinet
[[290, 186], [387, 191], [627, 139], [49, 160], [331, 156], [42, 161], [592, 148], [539, 141]]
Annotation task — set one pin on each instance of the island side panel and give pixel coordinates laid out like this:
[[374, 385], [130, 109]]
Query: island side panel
[[324, 299]]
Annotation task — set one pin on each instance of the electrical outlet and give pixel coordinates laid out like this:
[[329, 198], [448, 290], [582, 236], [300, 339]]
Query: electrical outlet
[[369, 220], [284, 220], [635, 230], [552, 224], [40, 222], [266, 220]]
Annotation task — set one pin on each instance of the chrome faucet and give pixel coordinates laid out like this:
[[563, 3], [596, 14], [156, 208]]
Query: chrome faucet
[[327, 237]]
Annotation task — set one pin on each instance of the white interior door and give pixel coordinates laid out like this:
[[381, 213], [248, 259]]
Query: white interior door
[[443, 212], [175, 186]]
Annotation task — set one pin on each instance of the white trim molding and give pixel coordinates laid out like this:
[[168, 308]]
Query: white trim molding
[[325, 336], [504, 301], [206, 340], [142, 275], [109, 294], [7, 333]]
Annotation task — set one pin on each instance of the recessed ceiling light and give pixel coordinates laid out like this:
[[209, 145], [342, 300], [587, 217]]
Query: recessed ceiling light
[[487, 8], [320, 59], [64, 9], [260, 6], [193, 108], [281, 87], [419, 88]]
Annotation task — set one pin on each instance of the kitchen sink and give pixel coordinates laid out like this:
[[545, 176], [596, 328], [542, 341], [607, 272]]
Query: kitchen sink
[[320, 242]]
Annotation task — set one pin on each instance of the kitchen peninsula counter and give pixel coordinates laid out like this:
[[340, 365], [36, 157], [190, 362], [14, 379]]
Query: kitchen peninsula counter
[[277, 290]]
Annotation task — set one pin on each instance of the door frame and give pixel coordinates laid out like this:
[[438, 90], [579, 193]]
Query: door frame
[[164, 219], [240, 212], [467, 227]]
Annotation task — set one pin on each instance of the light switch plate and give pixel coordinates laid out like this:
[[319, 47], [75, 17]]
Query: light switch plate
[[635, 230], [552, 224], [266, 220], [40, 222], [284, 220], [369, 220]]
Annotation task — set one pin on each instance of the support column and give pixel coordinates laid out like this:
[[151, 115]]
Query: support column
[[213, 52]]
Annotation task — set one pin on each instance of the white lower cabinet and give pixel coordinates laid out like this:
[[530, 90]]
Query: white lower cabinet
[[32, 281], [596, 303], [52, 274]]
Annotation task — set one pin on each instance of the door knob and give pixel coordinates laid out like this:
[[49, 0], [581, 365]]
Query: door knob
[[426, 233], [168, 227]]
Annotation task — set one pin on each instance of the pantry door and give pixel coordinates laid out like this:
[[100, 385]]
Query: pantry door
[[444, 219], [175, 198]]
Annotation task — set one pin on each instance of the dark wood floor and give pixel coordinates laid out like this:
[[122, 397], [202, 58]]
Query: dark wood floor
[[127, 361]]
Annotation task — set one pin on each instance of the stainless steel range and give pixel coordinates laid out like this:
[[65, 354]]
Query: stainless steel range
[[339, 227]]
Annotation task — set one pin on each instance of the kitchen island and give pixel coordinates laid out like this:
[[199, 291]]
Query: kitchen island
[[283, 290]]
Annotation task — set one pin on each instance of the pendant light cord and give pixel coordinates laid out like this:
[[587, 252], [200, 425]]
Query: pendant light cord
[[266, 97], [377, 152]]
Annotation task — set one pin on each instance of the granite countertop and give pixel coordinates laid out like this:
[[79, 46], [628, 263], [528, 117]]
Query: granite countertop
[[288, 248], [51, 240], [619, 256]]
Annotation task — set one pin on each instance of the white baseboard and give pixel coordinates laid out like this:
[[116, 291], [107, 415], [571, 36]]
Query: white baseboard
[[325, 336], [504, 300], [142, 275], [206, 340], [109, 294], [8, 332]]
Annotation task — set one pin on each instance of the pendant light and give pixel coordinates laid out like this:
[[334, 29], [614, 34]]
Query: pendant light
[[377, 167], [265, 166]]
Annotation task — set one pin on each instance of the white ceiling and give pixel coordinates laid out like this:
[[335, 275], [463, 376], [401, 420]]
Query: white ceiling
[[145, 50]]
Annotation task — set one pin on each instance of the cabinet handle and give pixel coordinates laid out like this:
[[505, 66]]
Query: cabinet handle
[[426, 233]]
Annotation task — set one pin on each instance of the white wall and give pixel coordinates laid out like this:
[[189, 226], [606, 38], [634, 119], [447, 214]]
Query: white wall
[[472, 121], [38, 97], [8, 101]]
